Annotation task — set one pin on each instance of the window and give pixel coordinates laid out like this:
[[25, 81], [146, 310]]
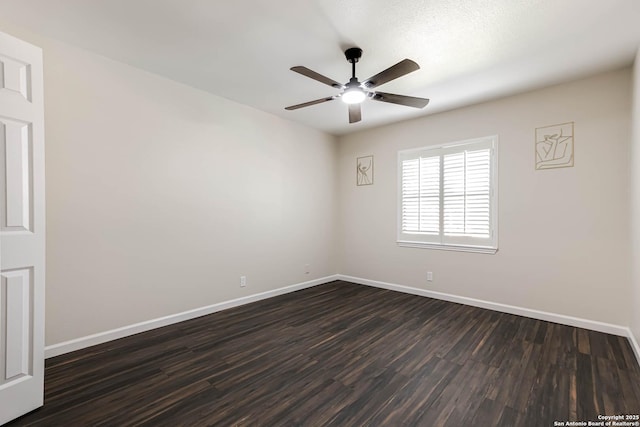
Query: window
[[448, 196]]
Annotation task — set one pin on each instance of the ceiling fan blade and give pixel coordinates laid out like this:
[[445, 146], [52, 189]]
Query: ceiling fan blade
[[316, 76], [310, 103], [403, 67], [355, 113], [409, 101]]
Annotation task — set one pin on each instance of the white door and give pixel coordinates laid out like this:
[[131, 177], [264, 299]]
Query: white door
[[21, 228]]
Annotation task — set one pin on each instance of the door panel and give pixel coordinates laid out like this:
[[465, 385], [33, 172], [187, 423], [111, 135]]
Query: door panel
[[16, 286], [22, 235], [16, 181], [15, 75]]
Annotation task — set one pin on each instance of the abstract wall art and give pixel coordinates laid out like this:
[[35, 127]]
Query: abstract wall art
[[364, 170], [554, 146]]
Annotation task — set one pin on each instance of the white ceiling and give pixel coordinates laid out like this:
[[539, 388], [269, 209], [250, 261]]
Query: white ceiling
[[468, 50]]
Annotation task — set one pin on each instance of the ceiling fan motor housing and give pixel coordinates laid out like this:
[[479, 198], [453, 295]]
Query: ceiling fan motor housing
[[353, 82]]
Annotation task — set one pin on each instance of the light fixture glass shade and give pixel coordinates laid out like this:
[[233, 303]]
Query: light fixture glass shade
[[353, 95]]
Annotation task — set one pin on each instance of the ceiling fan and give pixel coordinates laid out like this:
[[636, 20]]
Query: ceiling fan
[[354, 92]]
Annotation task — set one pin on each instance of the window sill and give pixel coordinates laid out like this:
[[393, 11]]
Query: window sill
[[458, 248]]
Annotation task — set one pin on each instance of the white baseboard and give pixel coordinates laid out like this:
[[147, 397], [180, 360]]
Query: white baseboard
[[634, 344], [102, 337], [504, 308], [562, 319], [125, 331]]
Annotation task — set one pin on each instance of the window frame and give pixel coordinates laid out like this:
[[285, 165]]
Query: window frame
[[440, 241]]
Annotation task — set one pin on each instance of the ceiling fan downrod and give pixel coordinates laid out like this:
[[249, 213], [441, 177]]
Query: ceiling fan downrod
[[353, 55]]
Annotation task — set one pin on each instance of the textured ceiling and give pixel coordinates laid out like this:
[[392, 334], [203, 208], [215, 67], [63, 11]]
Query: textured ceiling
[[468, 50]]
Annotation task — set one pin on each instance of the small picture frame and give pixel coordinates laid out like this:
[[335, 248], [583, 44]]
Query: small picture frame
[[364, 170], [554, 146]]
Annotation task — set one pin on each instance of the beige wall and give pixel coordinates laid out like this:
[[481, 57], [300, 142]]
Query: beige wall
[[160, 196], [635, 202], [563, 233]]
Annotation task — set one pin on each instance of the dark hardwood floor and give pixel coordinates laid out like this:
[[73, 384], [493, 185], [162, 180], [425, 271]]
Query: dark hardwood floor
[[342, 354]]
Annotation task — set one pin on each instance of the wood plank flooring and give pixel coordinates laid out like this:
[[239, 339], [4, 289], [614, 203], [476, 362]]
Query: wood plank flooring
[[342, 354]]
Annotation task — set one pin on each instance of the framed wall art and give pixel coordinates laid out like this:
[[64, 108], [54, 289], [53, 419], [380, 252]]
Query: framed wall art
[[364, 170], [554, 146]]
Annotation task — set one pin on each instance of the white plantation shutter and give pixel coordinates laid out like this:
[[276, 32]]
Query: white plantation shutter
[[421, 195], [447, 197], [410, 195], [467, 193]]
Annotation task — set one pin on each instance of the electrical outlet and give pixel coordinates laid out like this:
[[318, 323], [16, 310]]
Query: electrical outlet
[[429, 276], [307, 269], [243, 281]]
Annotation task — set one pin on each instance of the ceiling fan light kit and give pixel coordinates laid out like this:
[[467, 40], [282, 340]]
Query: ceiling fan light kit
[[354, 93]]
